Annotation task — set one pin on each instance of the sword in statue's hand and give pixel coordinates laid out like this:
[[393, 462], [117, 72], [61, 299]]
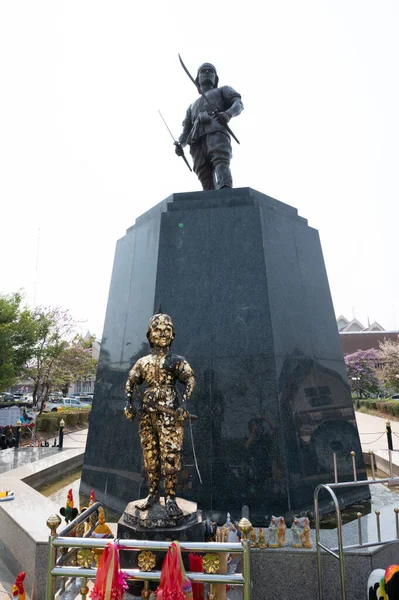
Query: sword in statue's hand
[[214, 111], [176, 143]]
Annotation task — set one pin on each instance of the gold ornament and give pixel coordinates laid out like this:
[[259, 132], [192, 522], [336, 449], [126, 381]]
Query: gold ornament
[[52, 523], [306, 543], [252, 537], [245, 527], [85, 558], [84, 590], [79, 530], [211, 563], [262, 540], [146, 560], [146, 592]]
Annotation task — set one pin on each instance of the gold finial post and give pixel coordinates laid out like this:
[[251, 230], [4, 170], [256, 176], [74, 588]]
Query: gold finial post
[[359, 525], [377, 514], [52, 523], [84, 589], [353, 455], [335, 467], [222, 536], [145, 592], [396, 510], [245, 526]]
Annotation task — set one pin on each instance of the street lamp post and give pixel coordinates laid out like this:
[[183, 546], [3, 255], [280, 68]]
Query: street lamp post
[[61, 434]]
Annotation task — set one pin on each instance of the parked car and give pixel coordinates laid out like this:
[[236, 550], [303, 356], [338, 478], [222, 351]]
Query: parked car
[[54, 406], [394, 397], [6, 397], [27, 398], [85, 398]]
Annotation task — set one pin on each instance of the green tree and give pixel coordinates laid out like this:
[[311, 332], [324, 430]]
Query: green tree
[[18, 337], [388, 355], [60, 356]]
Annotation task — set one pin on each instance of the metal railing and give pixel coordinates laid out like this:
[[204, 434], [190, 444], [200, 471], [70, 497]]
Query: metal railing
[[341, 548], [57, 567]]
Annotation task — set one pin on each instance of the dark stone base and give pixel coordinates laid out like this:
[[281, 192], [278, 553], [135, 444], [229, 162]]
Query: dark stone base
[[156, 517], [243, 277], [152, 524]]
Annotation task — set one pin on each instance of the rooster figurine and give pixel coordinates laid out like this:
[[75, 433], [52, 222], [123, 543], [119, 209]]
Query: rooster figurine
[[69, 512], [384, 585], [18, 590], [92, 498]]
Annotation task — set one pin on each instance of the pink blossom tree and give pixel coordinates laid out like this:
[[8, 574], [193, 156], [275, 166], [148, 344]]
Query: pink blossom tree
[[361, 369]]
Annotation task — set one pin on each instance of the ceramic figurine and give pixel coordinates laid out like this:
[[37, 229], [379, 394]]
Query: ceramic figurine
[[383, 584], [94, 516], [69, 512], [306, 543], [273, 540], [296, 534], [282, 528], [233, 535], [262, 540], [101, 531], [252, 537], [209, 530], [18, 590]]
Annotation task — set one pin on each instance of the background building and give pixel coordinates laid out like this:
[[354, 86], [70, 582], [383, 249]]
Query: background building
[[354, 336]]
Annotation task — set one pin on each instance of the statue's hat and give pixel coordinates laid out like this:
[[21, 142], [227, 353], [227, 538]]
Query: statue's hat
[[212, 67], [157, 319]]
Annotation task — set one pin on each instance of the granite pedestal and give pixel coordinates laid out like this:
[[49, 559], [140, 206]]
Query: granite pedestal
[[243, 277]]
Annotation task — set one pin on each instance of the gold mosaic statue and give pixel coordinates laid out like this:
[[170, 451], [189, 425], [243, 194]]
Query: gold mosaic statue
[[162, 413]]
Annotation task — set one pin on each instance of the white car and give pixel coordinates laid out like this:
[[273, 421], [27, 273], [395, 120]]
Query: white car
[[26, 398], [53, 406]]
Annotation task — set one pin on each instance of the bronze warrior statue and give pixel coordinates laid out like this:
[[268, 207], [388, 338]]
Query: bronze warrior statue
[[204, 129], [162, 414]]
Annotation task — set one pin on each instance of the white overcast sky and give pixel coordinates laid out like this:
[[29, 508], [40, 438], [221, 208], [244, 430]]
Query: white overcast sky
[[83, 151]]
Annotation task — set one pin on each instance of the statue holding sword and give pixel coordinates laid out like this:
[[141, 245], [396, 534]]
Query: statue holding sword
[[206, 130]]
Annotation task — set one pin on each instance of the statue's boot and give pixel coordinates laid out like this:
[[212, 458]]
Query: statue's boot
[[223, 175], [172, 509], [153, 492]]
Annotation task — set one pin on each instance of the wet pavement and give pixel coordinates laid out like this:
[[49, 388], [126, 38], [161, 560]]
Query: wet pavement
[[14, 458]]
